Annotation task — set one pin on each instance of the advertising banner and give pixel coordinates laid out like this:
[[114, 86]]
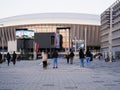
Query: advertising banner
[[57, 40]]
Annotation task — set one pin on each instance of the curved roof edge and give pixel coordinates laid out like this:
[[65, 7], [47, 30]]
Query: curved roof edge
[[52, 18]]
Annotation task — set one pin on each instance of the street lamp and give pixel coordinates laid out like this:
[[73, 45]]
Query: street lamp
[[75, 44], [110, 35], [85, 39]]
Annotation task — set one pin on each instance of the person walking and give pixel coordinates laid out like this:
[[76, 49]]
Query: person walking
[[67, 56], [88, 57], [71, 57], [8, 57], [44, 59], [14, 58], [0, 58], [81, 57], [55, 57]]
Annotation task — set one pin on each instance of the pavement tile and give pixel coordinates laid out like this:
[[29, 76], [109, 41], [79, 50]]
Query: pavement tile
[[29, 75]]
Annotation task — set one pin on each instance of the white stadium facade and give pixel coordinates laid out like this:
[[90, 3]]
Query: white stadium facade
[[71, 26]]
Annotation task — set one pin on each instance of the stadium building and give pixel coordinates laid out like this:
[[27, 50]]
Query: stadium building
[[75, 29]]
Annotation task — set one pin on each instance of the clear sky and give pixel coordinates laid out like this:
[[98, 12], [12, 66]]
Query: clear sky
[[10, 8]]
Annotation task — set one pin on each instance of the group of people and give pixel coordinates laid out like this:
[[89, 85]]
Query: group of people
[[69, 57], [13, 59], [45, 57], [9, 58], [88, 55]]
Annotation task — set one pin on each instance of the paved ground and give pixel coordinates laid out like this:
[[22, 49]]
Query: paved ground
[[29, 75]]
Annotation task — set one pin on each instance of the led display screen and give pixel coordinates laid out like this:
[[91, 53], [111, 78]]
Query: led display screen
[[24, 34]]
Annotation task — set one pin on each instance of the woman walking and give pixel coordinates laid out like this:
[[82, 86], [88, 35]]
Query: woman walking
[[44, 59]]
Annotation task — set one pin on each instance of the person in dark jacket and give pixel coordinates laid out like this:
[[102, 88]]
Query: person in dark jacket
[[0, 58], [55, 62], [81, 57], [8, 57], [71, 57], [88, 57], [14, 58], [67, 56]]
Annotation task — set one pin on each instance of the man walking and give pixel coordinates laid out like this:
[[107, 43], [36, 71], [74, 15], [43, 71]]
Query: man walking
[[55, 62], [81, 57], [14, 58], [8, 57]]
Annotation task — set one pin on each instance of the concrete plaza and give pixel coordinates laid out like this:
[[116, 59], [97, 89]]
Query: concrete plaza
[[29, 75]]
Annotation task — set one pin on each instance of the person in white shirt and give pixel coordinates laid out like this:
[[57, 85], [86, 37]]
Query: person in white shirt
[[44, 59]]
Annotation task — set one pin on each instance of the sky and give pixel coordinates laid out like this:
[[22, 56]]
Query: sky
[[10, 8]]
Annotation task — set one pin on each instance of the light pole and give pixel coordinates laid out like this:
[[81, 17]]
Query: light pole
[[110, 35], [75, 46], [69, 39], [85, 39]]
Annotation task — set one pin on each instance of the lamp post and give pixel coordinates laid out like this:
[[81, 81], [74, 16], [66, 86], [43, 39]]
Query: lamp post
[[75, 46], [69, 39], [110, 35], [85, 39]]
